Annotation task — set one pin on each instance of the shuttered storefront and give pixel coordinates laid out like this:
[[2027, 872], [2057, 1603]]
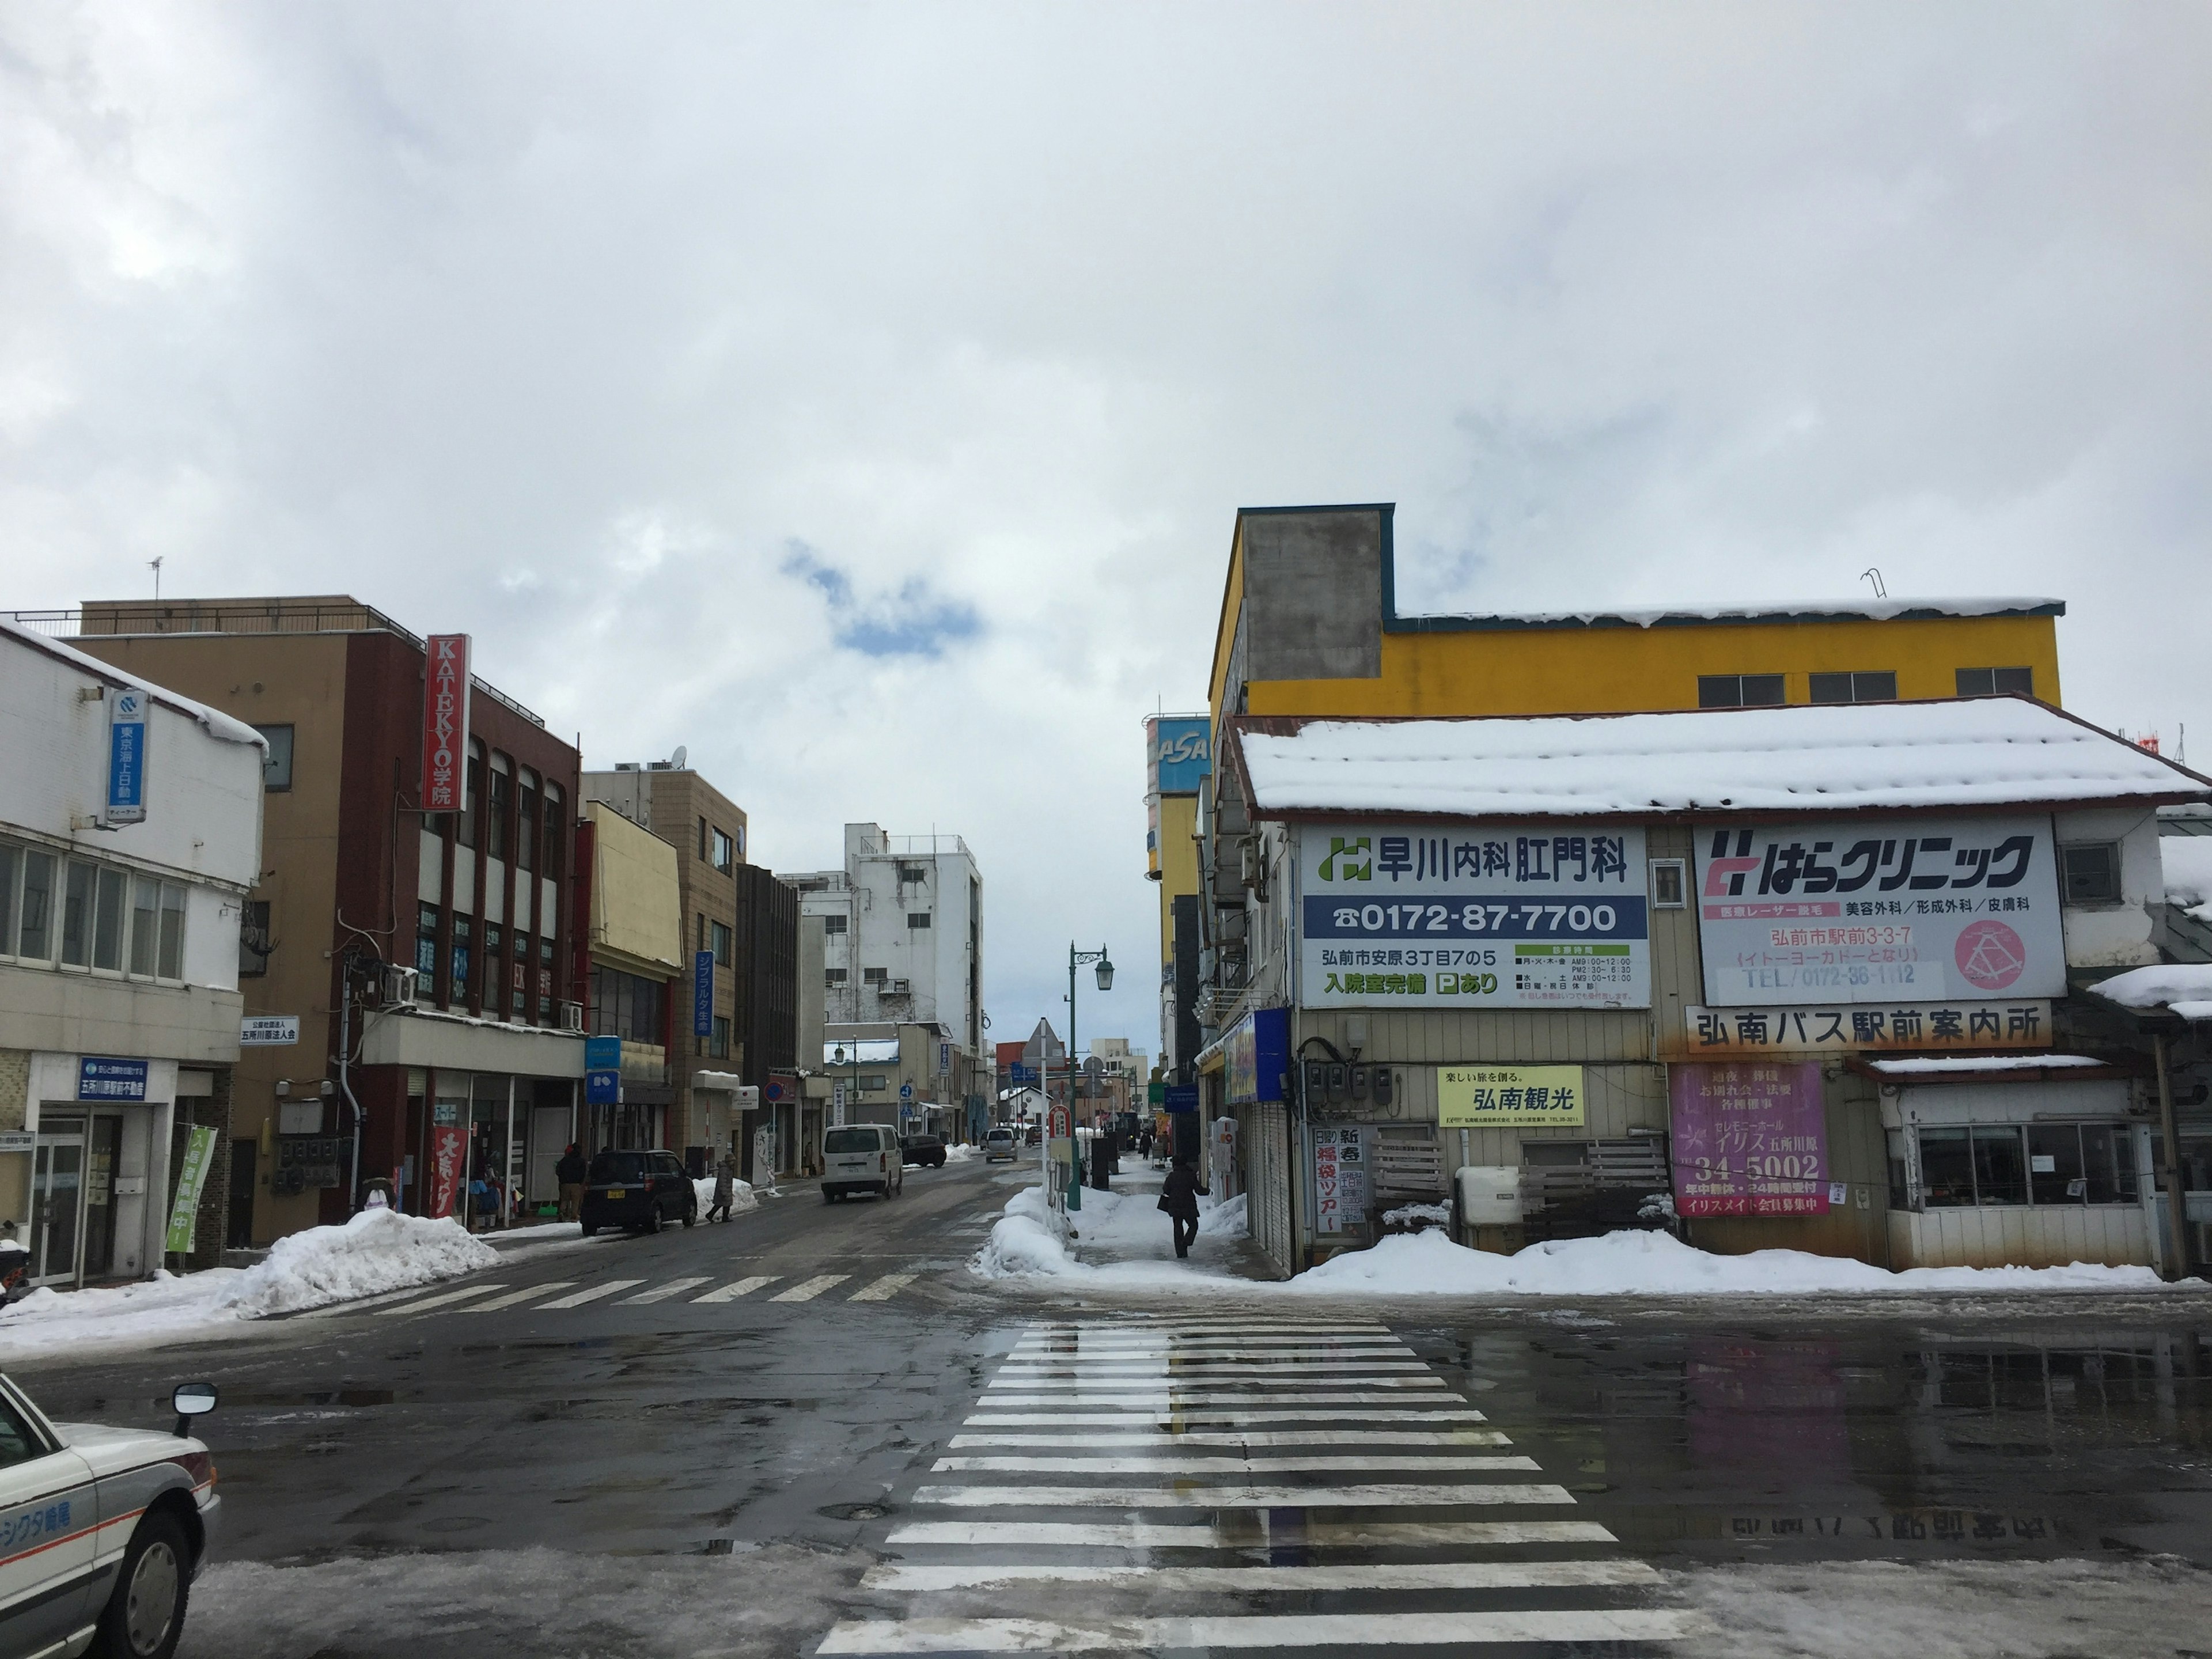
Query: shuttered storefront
[[1269, 1170]]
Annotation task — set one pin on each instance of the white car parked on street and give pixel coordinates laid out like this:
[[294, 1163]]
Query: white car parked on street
[[101, 1531], [997, 1144], [861, 1157]]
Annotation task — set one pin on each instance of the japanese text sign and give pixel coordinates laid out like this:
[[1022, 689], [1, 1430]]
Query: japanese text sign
[[1514, 916], [126, 757], [445, 722], [182, 1236], [1966, 1027], [102, 1079], [702, 994], [1861, 911], [444, 1157], [1510, 1097], [1749, 1138]]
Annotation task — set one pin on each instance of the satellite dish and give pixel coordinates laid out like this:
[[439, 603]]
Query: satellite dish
[[677, 759]]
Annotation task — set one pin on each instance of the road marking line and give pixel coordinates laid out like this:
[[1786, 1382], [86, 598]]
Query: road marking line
[[1101, 1345], [733, 1291], [662, 1293], [1204, 1369], [1443, 1574], [1173, 1420], [884, 1289], [812, 1288], [590, 1293], [1228, 1497], [1156, 1399], [1166, 1437], [1244, 1531], [1257, 1630], [429, 1302], [1268, 1379], [1203, 1328], [1351, 1462], [523, 1295]]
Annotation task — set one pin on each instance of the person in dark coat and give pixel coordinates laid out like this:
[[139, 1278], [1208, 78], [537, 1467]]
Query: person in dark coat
[[568, 1170], [1179, 1196]]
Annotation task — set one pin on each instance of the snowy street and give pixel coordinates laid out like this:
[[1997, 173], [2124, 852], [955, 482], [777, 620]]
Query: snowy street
[[821, 1429]]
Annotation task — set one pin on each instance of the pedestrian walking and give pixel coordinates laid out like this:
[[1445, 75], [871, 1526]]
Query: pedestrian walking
[[725, 1189], [1179, 1196], [569, 1172]]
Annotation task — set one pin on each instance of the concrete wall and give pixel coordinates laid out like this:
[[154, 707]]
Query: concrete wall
[[2117, 935]]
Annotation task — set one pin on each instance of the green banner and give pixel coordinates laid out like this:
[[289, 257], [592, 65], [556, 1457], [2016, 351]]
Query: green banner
[[192, 1177]]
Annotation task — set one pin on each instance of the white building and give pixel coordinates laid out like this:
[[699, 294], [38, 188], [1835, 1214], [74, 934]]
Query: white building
[[119, 1007]]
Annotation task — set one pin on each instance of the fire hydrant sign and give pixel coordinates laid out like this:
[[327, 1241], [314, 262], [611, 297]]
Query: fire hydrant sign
[[1748, 1139]]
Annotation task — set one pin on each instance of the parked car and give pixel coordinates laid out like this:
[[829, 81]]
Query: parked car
[[71, 1579], [922, 1149], [998, 1144], [641, 1191], [861, 1157], [1037, 1134]]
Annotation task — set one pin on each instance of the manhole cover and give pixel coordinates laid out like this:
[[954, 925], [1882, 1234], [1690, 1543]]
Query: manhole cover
[[855, 1511]]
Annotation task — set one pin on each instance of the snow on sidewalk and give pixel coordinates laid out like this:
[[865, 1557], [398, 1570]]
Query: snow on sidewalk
[[1121, 1238], [377, 1251]]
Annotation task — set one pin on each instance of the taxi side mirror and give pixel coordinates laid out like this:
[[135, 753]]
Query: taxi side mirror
[[191, 1400]]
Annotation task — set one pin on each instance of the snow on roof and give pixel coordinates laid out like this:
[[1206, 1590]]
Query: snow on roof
[[2183, 988], [1797, 611], [1981, 1063], [218, 725], [1973, 752], [2188, 860]]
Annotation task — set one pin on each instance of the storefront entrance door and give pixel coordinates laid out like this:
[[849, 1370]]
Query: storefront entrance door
[[57, 1201]]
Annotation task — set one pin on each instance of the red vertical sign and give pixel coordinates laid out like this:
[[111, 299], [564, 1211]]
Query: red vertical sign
[[445, 1158], [445, 722]]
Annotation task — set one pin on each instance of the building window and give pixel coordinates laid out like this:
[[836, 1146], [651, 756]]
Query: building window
[[501, 801], [525, 821], [549, 865], [1861, 687], [718, 1045], [463, 937], [111, 895], [725, 852], [169, 955], [2091, 871], [471, 822], [77, 916], [494, 941], [627, 1005], [875, 975], [277, 765], [1996, 682], [34, 911], [426, 952], [1739, 690], [252, 938], [2005, 1165], [917, 918], [915, 872], [833, 975], [1668, 884], [833, 924], [718, 941]]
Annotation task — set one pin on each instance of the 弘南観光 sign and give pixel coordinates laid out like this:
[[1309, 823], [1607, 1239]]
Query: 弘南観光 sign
[[1511, 917], [1860, 911], [1510, 1097], [445, 722], [1750, 1137]]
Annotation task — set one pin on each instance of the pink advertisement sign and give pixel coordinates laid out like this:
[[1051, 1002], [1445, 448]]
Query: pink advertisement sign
[[1750, 1138]]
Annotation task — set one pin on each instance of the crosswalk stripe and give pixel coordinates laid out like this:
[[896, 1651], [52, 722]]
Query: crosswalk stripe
[[1266, 1498], [1021, 1465], [1370, 1576], [1257, 1631], [1135, 1371], [733, 1291], [662, 1293], [1102, 1346], [1163, 1437], [811, 1289], [1173, 1420], [1260, 1379], [1162, 1399], [1206, 1327], [525, 1294], [1244, 1531], [429, 1302], [884, 1289], [590, 1293]]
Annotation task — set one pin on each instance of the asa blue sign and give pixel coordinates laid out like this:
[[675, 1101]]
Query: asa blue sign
[[1184, 754], [703, 994], [126, 757], [110, 1079]]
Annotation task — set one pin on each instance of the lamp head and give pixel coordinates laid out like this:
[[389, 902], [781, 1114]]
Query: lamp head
[[1105, 973]]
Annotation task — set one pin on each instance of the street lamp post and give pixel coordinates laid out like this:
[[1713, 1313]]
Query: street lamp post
[[1075, 960]]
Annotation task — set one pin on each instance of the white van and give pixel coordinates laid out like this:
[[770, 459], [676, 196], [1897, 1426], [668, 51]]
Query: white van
[[861, 1157]]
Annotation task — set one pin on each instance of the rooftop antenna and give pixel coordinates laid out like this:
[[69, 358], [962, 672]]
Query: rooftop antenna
[[1873, 574], [155, 565]]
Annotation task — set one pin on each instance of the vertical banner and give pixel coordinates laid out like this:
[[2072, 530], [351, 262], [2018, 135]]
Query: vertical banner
[[1749, 1138], [126, 757], [445, 723], [191, 1180], [444, 1158], [703, 994], [1328, 1203]]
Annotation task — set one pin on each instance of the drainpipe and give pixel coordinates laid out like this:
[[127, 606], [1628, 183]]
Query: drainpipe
[[2176, 1224], [345, 1081]]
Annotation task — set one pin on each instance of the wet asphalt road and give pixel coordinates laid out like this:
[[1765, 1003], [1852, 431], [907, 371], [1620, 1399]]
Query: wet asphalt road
[[538, 1478]]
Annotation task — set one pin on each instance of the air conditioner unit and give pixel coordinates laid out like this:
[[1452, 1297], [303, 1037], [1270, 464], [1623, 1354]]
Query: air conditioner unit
[[572, 1015], [399, 987]]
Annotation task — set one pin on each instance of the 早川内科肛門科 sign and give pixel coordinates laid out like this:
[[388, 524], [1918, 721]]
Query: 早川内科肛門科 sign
[[1866, 911], [1512, 917], [445, 722], [1510, 1097]]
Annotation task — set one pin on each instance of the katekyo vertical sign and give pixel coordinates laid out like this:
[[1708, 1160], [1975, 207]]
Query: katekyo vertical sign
[[445, 722]]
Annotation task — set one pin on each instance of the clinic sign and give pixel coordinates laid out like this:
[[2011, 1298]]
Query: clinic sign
[[445, 722], [1499, 917], [1911, 910], [127, 707]]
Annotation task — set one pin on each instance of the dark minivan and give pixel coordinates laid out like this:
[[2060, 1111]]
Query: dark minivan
[[922, 1149], [642, 1191]]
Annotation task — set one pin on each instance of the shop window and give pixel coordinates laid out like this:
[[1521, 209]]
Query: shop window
[[277, 765], [1879, 686], [917, 918], [1669, 885], [2091, 871], [111, 889], [496, 828], [34, 909], [2000, 1170], [2041, 1164], [1996, 682], [252, 937], [1739, 690]]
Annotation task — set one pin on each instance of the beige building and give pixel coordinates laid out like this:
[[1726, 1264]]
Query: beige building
[[637, 973]]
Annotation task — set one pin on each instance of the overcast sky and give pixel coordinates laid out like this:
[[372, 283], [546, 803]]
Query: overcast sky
[[861, 396]]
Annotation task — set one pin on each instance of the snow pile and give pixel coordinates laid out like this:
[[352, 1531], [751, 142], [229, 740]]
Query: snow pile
[[962, 1154], [378, 1250], [1406, 1215], [1986, 751], [1658, 1264], [1982, 1063], [2184, 986], [1218, 1220], [2188, 861], [742, 1197], [1127, 1241]]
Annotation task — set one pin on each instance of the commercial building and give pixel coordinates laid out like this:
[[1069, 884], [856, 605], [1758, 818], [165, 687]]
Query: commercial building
[[909, 1076], [427, 961], [639, 975], [1810, 975], [1178, 759], [130, 839]]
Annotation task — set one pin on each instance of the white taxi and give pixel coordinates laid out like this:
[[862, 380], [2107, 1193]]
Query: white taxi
[[101, 1531]]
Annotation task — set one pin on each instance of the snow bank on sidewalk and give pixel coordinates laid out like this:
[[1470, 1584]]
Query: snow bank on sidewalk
[[1658, 1264], [742, 1196], [1110, 1225]]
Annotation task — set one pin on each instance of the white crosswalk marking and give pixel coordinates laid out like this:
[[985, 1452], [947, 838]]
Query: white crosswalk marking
[[528, 1292], [884, 1289], [1197, 1464], [440, 1301], [662, 1293], [810, 1289], [733, 1291], [590, 1293]]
